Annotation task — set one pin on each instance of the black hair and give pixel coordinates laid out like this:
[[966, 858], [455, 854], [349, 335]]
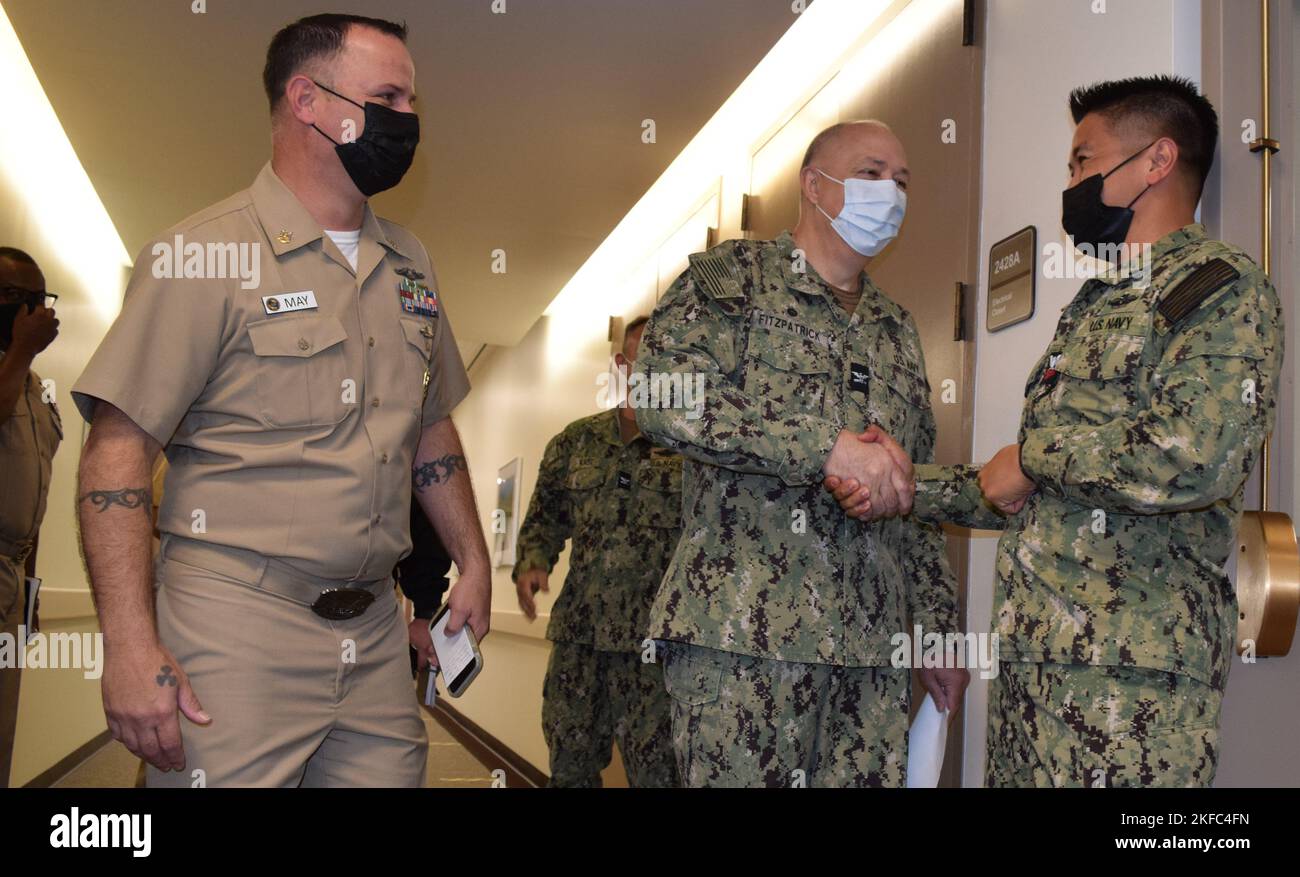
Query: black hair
[[309, 39], [1162, 106], [13, 254]]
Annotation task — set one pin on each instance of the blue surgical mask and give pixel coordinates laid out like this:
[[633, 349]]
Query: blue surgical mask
[[873, 212]]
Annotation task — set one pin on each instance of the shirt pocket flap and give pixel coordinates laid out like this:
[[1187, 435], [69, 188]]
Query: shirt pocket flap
[[299, 336], [418, 334], [1101, 357], [585, 477], [913, 387], [790, 354]]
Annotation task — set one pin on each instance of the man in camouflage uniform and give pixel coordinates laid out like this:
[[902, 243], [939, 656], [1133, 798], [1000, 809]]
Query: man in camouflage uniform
[[1142, 422], [777, 611], [603, 485]]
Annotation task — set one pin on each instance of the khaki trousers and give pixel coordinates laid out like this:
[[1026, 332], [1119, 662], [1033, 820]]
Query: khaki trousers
[[295, 699], [12, 606]]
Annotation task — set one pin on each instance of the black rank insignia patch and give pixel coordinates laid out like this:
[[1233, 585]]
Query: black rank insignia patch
[[1188, 295], [858, 377]]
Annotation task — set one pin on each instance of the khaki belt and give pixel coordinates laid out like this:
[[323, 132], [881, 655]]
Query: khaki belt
[[334, 599], [16, 551]]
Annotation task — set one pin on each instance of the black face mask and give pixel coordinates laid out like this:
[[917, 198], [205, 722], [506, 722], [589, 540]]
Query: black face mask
[[378, 159], [1092, 222]]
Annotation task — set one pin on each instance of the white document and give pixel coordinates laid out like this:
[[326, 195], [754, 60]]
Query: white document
[[925, 743]]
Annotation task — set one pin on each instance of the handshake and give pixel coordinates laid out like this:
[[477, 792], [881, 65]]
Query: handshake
[[871, 477]]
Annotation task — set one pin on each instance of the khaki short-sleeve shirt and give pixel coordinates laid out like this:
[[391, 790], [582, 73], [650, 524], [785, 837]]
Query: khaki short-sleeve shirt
[[28, 439], [288, 388]]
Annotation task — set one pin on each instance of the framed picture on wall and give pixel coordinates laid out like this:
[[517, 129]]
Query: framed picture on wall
[[505, 517]]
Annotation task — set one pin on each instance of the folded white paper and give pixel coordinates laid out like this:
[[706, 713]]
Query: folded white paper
[[925, 743]]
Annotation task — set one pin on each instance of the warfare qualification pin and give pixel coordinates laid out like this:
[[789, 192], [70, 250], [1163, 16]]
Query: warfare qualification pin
[[409, 273]]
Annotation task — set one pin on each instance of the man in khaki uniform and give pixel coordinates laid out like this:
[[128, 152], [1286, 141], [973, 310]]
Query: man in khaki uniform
[[296, 414], [30, 432]]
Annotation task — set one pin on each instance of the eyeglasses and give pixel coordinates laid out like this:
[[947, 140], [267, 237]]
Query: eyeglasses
[[18, 295]]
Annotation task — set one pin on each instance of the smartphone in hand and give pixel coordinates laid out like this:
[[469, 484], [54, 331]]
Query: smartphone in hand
[[459, 659]]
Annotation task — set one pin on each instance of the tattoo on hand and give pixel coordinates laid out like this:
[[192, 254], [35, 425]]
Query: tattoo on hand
[[438, 471], [127, 497], [166, 677]]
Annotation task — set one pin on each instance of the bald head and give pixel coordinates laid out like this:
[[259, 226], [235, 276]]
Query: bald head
[[848, 135]]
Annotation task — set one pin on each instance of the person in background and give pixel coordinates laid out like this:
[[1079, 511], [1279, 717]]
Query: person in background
[[30, 432], [422, 576], [603, 485]]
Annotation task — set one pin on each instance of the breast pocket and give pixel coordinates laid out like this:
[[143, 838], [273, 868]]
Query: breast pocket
[[301, 368], [898, 396], [659, 494], [787, 374], [416, 359], [583, 484], [1099, 377]]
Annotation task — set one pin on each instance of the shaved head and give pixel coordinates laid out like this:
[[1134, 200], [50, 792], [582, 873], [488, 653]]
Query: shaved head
[[836, 134]]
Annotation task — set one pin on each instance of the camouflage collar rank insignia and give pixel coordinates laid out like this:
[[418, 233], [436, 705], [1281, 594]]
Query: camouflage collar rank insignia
[[409, 273], [1188, 295]]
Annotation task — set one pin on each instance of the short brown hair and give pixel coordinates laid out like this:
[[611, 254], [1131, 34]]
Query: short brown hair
[[309, 39], [634, 326]]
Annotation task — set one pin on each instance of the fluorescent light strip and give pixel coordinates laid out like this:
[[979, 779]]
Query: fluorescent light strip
[[824, 32], [40, 165]]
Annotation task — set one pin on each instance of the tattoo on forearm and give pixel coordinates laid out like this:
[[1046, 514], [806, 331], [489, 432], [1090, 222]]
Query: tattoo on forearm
[[127, 497], [438, 471]]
